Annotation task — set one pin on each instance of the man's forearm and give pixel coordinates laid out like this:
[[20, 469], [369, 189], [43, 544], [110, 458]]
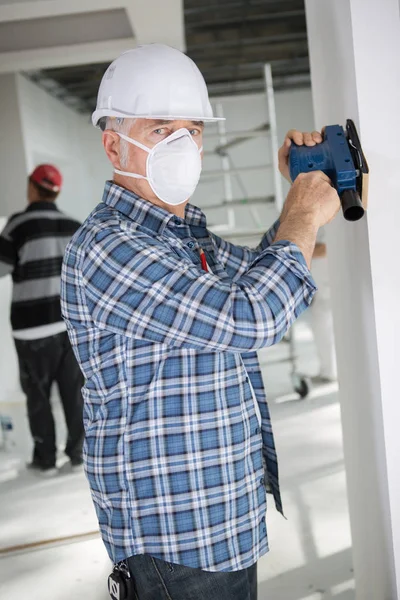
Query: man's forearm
[[311, 203], [301, 230]]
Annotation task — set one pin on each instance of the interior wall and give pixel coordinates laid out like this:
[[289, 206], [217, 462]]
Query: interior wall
[[13, 163], [38, 128], [13, 172], [55, 133], [293, 110], [363, 264], [9, 389]]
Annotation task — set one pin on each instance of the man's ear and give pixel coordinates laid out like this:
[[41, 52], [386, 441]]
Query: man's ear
[[111, 143]]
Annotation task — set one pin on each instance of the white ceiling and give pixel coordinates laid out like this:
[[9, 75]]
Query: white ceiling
[[11, 2], [64, 30], [36, 34]]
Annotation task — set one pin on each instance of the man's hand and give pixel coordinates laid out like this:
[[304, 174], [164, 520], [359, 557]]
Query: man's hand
[[299, 138], [311, 203], [312, 198]]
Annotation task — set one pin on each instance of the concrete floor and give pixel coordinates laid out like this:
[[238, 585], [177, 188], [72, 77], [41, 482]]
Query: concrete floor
[[310, 556]]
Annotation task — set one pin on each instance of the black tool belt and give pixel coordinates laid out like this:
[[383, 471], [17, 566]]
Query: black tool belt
[[120, 583]]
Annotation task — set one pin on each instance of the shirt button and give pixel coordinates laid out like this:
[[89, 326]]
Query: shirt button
[[190, 245], [257, 430], [263, 520], [177, 222], [262, 481]]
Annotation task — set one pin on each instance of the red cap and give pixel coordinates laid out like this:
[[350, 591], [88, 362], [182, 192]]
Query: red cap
[[48, 177]]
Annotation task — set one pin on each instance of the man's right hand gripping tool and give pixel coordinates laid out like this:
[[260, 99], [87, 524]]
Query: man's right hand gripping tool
[[341, 158]]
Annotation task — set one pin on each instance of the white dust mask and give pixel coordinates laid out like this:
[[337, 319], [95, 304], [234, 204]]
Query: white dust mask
[[173, 166]]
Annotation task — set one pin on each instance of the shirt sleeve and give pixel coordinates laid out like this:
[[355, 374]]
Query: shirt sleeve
[[141, 289], [236, 259], [8, 252]]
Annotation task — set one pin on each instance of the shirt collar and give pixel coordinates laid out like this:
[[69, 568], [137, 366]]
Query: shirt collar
[[42, 205], [195, 216], [145, 213]]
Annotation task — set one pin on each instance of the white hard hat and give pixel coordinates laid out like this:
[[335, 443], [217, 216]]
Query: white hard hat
[[153, 82]]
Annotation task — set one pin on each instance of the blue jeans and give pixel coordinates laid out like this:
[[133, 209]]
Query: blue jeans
[[156, 579]]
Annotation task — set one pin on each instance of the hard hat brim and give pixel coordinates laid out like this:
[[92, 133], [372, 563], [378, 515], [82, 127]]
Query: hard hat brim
[[100, 113]]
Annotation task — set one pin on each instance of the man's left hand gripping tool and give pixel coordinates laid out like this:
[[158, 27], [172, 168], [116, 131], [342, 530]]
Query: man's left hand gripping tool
[[341, 158]]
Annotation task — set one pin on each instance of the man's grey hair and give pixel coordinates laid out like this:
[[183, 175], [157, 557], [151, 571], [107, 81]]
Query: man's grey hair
[[123, 126]]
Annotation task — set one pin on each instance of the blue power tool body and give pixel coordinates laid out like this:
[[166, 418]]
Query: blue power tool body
[[341, 158]]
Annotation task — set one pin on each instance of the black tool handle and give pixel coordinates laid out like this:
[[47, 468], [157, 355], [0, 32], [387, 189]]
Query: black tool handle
[[352, 207]]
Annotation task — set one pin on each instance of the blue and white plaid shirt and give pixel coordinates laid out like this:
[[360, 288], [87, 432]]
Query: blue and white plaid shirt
[[173, 395]]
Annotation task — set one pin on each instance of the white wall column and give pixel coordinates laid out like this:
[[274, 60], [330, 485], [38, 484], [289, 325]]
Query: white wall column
[[13, 178], [13, 169], [355, 66], [54, 133], [36, 128]]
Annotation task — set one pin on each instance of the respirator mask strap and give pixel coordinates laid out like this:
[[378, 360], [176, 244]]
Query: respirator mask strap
[[134, 142], [139, 145], [133, 175]]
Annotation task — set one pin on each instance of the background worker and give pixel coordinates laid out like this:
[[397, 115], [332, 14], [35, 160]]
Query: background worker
[[166, 318], [32, 246]]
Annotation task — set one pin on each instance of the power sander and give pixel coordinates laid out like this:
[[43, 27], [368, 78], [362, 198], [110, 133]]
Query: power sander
[[341, 158]]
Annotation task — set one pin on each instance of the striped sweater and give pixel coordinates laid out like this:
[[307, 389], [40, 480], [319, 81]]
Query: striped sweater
[[32, 246]]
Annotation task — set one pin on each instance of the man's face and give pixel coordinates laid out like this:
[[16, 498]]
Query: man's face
[[149, 132]]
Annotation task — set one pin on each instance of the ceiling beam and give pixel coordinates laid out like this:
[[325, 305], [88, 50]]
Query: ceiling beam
[[224, 22], [225, 5], [279, 61], [258, 85], [264, 41], [39, 9], [64, 56]]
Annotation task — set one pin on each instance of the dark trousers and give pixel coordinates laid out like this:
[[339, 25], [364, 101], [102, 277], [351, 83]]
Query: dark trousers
[[42, 362], [156, 579]]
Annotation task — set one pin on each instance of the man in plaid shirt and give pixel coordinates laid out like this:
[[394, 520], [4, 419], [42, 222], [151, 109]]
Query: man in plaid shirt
[[165, 319]]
